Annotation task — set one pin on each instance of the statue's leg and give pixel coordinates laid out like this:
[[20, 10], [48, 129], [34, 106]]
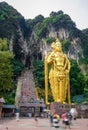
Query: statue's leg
[[51, 79], [62, 90], [56, 89]]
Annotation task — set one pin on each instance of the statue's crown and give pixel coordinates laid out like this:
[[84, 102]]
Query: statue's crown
[[53, 45], [58, 43]]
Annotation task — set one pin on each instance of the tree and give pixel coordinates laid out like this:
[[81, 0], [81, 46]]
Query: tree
[[17, 67], [6, 68], [66, 44], [86, 83], [39, 73], [77, 79]]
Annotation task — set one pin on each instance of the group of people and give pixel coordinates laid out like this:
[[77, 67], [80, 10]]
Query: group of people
[[65, 119], [54, 120]]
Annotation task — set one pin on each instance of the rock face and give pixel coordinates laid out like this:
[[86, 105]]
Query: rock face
[[28, 38]]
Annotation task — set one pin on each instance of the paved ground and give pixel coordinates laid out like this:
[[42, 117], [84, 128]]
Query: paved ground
[[43, 124]]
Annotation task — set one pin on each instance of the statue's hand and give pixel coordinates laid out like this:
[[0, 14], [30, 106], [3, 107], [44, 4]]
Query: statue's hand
[[52, 54], [51, 57]]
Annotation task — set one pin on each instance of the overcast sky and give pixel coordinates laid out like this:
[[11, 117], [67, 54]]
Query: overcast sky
[[76, 9]]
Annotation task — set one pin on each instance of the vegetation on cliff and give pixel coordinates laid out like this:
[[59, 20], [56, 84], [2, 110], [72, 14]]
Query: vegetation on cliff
[[26, 36]]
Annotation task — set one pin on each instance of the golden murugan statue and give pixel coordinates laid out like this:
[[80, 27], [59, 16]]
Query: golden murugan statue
[[58, 75]]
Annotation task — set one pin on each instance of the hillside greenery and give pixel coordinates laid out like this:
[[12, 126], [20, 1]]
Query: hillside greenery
[[9, 70], [11, 65], [84, 43], [6, 68], [78, 82], [57, 20]]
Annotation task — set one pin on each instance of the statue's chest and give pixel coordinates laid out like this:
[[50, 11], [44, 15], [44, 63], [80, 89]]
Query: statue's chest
[[59, 59]]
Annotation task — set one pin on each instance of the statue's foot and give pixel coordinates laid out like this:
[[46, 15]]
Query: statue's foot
[[47, 103], [64, 102], [69, 102], [59, 100]]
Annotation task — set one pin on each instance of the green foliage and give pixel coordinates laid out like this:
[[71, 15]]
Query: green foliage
[[86, 82], [78, 98], [38, 19], [6, 68], [29, 24], [66, 44], [17, 67], [60, 19], [74, 32], [55, 13], [10, 19], [3, 44], [7, 12], [77, 79], [83, 60], [42, 32], [39, 73], [10, 97], [56, 20], [49, 40], [9, 69], [41, 92], [6, 71], [84, 44]]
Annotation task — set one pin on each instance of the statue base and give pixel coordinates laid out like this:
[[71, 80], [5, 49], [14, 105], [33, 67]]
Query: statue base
[[59, 108]]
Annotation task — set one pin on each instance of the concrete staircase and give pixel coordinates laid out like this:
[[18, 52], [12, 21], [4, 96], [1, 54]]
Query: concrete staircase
[[28, 87], [26, 92]]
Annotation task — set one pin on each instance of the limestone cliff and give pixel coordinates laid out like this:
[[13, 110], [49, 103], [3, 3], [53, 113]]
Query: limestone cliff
[[30, 39]]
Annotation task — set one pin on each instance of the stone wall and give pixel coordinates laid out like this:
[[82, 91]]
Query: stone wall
[[58, 108]]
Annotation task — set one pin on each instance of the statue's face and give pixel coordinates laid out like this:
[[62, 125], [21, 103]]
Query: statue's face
[[58, 48]]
